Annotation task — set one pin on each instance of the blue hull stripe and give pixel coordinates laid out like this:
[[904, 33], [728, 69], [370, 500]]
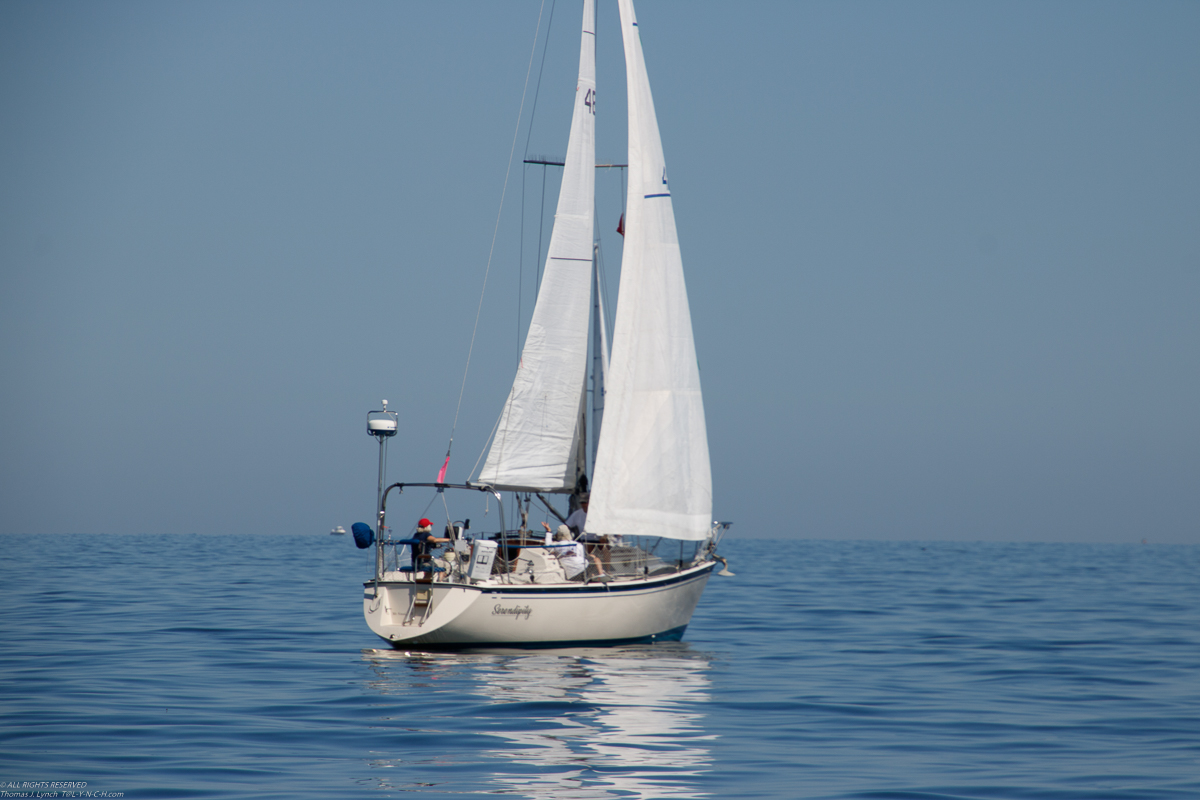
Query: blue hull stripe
[[582, 588]]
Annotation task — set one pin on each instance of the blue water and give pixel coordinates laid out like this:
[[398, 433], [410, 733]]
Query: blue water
[[220, 666]]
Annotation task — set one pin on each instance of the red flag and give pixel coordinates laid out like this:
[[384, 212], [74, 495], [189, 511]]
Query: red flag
[[621, 225]]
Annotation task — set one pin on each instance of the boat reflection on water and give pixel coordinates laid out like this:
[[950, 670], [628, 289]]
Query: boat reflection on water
[[608, 722]]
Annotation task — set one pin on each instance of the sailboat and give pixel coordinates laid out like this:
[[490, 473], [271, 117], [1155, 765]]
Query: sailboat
[[648, 531]]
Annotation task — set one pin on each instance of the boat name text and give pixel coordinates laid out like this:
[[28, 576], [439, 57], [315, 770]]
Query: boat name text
[[511, 611]]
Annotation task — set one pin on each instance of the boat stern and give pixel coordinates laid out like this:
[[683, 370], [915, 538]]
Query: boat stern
[[403, 611]]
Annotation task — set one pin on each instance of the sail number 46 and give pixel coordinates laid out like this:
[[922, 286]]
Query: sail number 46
[[589, 100]]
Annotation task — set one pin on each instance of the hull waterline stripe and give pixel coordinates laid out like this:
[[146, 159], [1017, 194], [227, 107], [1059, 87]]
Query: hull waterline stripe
[[672, 635]]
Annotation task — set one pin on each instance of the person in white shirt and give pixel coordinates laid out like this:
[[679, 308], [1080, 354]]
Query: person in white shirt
[[572, 557], [578, 517]]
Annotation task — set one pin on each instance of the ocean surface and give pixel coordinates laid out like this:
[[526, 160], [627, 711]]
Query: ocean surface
[[219, 666]]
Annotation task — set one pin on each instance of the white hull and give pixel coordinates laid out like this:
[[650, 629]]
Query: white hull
[[558, 614]]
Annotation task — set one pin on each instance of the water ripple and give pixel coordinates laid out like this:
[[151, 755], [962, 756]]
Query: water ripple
[[218, 666]]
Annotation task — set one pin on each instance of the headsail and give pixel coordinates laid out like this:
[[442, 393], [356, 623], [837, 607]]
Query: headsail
[[538, 440], [652, 470]]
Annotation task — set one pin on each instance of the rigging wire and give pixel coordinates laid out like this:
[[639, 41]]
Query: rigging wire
[[495, 233], [541, 224], [446, 506], [537, 91], [487, 442]]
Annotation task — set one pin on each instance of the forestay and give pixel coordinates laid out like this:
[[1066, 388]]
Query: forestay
[[652, 475], [538, 439]]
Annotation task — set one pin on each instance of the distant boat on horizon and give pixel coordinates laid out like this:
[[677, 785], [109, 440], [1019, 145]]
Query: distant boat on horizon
[[338, 531]]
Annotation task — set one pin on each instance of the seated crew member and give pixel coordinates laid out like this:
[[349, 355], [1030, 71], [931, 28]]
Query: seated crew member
[[422, 552], [575, 522], [572, 558]]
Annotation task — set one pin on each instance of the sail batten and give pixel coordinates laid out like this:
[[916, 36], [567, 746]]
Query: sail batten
[[537, 441], [652, 475]]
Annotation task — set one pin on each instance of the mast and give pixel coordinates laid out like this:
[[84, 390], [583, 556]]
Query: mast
[[599, 355]]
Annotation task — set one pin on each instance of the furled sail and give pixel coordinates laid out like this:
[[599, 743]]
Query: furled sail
[[537, 442], [652, 474]]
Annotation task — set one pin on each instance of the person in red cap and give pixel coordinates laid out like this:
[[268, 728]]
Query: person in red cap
[[426, 541]]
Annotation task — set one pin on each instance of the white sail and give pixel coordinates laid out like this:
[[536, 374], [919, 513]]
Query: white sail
[[537, 440], [652, 470]]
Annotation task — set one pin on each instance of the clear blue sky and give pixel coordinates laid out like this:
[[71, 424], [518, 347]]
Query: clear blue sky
[[943, 258]]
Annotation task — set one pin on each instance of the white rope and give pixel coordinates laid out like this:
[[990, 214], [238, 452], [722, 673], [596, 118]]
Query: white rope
[[496, 229]]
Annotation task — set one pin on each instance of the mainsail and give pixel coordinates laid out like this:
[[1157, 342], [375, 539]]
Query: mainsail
[[652, 475], [538, 440]]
